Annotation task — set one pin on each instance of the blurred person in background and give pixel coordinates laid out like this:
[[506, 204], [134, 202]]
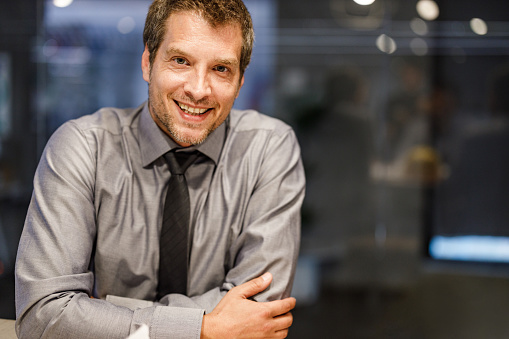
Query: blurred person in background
[[407, 123], [338, 150]]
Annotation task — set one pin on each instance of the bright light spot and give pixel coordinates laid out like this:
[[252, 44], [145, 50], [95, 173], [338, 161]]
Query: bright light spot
[[62, 3], [419, 46], [428, 9], [386, 44], [364, 2], [470, 247], [126, 25], [478, 26], [419, 26]]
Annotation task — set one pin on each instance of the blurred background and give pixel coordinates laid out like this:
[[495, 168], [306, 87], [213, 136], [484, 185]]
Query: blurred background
[[401, 108]]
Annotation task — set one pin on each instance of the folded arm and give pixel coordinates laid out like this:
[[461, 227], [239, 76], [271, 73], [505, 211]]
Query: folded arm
[[269, 236], [54, 280], [54, 275]]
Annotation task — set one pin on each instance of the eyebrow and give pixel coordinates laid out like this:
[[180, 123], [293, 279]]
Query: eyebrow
[[175, 50]]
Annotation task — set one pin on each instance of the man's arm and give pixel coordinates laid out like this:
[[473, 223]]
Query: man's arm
[[270, 227], [53, 280], [270, 237], [53, 277]]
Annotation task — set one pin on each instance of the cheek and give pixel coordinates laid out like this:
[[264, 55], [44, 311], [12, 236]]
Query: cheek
[[226, 92], [166, 82]]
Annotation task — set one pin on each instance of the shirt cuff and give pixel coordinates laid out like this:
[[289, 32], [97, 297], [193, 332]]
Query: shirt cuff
[[167, 322]]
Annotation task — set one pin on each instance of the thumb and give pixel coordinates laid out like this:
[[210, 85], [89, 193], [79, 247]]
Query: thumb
[[254, 286]]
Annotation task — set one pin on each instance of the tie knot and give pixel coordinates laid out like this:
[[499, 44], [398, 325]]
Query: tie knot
[[178, 162]]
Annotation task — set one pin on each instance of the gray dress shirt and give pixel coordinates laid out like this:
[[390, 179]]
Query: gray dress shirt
[[92, 228]]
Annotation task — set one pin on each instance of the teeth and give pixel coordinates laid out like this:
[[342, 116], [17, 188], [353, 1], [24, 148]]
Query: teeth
[[192, 110]]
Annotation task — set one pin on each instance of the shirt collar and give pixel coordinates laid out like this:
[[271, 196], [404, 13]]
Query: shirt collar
[[154, 142]]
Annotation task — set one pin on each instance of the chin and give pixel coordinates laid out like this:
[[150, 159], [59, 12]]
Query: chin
[[190, 138]]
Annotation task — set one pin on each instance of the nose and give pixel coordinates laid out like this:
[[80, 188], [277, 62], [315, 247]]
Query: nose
[[197, 85]]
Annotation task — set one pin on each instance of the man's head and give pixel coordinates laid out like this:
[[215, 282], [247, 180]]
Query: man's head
[[195, 55], [215, 12]]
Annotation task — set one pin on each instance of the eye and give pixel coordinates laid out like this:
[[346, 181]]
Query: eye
[[180, 61], [221, 69]]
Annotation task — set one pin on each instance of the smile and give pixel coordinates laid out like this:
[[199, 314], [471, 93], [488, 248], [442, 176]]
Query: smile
[[192, 110]]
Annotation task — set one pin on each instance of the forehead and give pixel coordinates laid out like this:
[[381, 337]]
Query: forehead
[[191, 29]]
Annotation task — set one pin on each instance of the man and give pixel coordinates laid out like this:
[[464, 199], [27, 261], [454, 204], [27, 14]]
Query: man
[[88, 259]]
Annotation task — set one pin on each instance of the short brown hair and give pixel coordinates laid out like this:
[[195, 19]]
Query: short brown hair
[[216, 12]]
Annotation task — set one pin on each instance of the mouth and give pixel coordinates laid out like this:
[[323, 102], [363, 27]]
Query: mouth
[[194, 111]]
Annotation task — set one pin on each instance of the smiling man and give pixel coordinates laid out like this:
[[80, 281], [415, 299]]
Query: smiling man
[[99, 255], [195, 77]]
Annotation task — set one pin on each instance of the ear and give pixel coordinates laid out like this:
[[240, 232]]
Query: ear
[[145, 64], [240, 86]]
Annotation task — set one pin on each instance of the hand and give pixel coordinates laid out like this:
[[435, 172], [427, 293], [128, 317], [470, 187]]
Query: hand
[[238, 317]]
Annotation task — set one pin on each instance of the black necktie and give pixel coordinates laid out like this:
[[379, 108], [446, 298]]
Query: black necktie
[[173, 241]]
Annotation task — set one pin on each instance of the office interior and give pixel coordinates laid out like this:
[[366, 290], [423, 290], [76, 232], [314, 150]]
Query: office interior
[[402, 113]]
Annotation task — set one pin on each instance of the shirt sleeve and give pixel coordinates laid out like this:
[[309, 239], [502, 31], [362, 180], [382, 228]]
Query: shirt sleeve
[[54, 280], [270, 236]]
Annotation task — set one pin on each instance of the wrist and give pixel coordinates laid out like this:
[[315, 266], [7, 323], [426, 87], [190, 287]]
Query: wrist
[[208, 329]]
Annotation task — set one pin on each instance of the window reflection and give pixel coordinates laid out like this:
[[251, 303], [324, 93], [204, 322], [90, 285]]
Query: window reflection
[[90, 58]]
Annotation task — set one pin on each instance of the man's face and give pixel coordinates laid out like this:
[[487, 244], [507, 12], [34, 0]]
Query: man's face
[[195, 77]]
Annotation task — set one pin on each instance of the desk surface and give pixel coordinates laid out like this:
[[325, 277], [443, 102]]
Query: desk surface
[[7, 329]]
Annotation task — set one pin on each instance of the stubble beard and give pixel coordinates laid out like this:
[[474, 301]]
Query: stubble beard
[[157, 107]]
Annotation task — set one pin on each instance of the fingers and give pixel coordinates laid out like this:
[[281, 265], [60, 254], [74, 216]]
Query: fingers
[[281, 334], [281, 325], [254, 286], [280, 307], [283, 321]]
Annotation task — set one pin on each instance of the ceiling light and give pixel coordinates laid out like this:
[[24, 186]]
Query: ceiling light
[[428, 9], [364, 2], [478, 26], [62, 3]]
